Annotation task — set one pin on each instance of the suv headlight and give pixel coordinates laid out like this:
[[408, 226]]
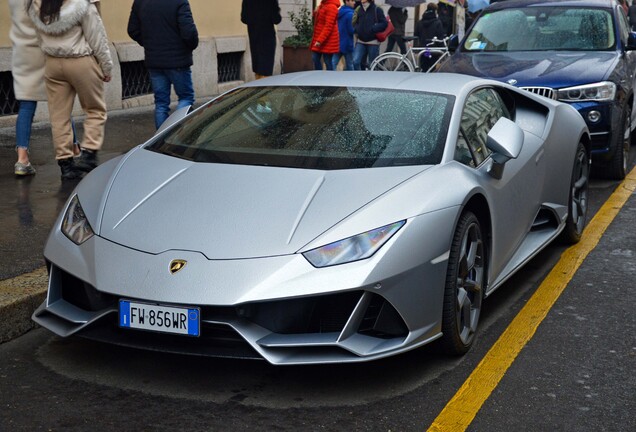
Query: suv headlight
[[603, 91], [75, 226], [354, 248]]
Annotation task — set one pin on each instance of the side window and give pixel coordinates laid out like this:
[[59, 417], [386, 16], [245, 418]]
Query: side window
[[623, 25], [482, 110]]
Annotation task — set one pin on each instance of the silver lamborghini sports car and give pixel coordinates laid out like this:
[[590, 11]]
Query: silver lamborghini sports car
[[319, 217]]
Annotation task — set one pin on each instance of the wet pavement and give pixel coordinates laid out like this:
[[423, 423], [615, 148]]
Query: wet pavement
[[30, 205]]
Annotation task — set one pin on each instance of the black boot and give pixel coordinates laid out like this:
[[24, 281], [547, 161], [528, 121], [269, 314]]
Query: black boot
[[69, 170], [87, 161]]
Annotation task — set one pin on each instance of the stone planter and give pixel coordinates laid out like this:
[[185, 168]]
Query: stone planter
[[296, 59]]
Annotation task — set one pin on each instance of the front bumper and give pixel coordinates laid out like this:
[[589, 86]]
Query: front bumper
[[280, 309]]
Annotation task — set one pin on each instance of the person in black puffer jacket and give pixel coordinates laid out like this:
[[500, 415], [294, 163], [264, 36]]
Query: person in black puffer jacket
[[429, 27], [166, 30]]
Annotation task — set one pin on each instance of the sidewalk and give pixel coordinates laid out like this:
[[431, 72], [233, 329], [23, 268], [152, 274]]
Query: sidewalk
[[30, 206]]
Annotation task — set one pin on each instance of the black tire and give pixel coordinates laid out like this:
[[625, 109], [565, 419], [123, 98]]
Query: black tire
[[465, 283], [616, 168], [577, 201]]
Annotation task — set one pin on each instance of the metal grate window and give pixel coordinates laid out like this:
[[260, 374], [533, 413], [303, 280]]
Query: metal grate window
[[8, 103], [134, 79], [229, 66]]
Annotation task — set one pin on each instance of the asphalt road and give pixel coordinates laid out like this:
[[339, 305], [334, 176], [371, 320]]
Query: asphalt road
[[576, 373]]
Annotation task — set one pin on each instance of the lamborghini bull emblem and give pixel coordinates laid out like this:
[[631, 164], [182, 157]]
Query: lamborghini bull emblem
[[177, 265]]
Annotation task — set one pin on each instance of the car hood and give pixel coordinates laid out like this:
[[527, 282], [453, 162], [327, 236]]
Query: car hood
[[556, 69], [157, 203]]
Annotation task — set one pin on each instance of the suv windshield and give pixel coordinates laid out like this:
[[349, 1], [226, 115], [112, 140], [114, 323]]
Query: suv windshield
[[543, 29], [314, 127]]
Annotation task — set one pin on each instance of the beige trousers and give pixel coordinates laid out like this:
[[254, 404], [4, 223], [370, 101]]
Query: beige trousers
[[65, 78]]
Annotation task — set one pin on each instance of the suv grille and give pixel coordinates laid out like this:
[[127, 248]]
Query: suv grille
[[542, 91]]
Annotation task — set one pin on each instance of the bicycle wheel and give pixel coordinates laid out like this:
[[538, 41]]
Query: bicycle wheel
[[392, 62]]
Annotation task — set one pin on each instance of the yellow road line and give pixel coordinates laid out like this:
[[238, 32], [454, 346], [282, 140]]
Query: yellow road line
[[463, 407]]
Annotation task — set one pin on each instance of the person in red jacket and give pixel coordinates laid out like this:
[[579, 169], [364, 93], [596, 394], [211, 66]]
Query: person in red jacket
[[325, 42]]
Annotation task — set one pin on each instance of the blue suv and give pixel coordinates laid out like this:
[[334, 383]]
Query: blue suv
[[581, 52]]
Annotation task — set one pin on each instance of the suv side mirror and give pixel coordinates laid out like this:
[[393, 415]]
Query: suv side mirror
[[505, 140], [631, 41]]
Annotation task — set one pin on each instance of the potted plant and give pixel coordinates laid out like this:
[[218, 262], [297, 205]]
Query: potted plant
[[296, 53]]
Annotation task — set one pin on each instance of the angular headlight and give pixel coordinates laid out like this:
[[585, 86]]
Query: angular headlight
[[603, 91], [75, 226], [353, 248]]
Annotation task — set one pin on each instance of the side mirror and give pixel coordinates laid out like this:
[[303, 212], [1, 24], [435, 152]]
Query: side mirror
[[174, 118], [453, 43], [631, 41], [505, 140]]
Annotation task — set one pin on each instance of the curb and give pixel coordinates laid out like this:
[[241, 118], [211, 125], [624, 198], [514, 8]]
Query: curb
[[19, 298]]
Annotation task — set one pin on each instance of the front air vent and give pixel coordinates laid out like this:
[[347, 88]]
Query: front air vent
[[548, 92]]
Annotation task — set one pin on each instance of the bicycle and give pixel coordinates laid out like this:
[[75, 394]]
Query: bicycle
[[410, 60]]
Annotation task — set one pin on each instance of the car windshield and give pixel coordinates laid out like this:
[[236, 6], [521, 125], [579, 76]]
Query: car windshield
[[543, 29], [314, 127]]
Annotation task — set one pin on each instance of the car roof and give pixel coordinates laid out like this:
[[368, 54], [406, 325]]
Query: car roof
[[560, 3], [444, 83]]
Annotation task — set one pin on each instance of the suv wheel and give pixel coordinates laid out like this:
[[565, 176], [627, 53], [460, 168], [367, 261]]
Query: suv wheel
[[616, 168]]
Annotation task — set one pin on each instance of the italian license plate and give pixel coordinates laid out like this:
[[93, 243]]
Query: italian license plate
[[164, 319]]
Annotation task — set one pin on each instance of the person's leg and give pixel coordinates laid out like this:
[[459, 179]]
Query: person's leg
[[390, 43], [86, 79], [336, 60], [182, 81], [316, 57], [349, 61], [328, 61], [61, 96], [374, 51], [76, 143], [364, 63], [23, 137], [359, 52], [161, 89], [401, 44], [26, 111]]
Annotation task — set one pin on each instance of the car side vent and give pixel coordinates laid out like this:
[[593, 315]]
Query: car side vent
[[548, 92], [381, 320]]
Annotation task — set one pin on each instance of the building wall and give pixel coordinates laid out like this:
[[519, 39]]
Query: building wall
[[220, 31]]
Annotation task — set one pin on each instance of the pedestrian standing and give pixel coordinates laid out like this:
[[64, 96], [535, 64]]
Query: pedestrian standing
[[428, 28], [261, 16], [368, 20], [77, 63], [27, 68], [345, 35], [398, 17], [325, 42], [166, 30]]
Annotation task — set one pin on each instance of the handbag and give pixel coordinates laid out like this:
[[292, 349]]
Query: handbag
[[381, 36]]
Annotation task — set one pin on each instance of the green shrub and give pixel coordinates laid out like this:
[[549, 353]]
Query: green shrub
[[303, 23]]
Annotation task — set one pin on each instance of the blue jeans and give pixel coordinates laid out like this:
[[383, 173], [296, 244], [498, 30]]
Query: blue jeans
[[23, 124], [348, 60], [162, 80], [361, 51], [26, 111], [317, 58]]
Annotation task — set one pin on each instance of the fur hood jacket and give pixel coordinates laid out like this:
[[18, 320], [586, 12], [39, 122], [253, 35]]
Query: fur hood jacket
[[78, 32]]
